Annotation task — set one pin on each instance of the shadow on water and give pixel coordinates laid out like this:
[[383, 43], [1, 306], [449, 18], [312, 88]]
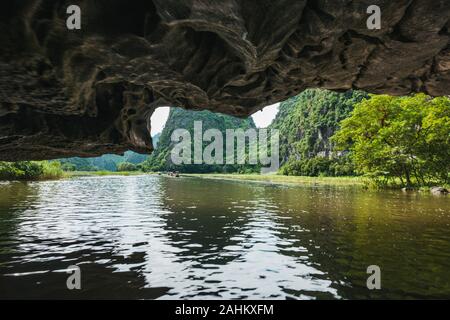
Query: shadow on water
[[158, 237], [41, 236]]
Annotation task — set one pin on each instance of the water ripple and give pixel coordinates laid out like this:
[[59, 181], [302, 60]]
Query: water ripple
[[156, 237]]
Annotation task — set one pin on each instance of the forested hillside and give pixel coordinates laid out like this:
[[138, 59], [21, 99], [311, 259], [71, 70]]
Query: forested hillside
[[306, 123], [393, 140], [184, 119]]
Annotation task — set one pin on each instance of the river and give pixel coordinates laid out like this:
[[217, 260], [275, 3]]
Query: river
[[156, 237]]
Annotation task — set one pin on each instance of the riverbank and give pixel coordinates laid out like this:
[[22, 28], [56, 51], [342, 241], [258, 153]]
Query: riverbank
[[53, 172], [355, 182], [358, 182], [76, 174], [290, 180], [30, 171]]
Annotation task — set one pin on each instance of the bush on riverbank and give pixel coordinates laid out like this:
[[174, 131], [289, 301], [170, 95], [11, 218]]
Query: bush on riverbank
[[127, 166], [319, 167], [30, 170]]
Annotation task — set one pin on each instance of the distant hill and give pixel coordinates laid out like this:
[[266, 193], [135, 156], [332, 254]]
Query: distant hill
[[107, 162], [179, 118]]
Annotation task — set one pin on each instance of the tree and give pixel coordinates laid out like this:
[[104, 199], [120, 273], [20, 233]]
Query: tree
[[30, 170], [68, 167], [399, 137], [126, 166]]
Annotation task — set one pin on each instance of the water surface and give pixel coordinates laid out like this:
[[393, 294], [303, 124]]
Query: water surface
[[154, 237]]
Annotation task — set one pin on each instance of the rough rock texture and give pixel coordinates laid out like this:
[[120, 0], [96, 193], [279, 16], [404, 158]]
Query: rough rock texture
[[92, 91], [439, 191]]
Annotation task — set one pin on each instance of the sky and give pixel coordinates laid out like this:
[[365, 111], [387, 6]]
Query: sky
[[262, 118], [265, 117], [159, 119]]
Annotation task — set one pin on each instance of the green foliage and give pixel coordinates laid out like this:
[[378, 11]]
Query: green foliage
[[306, 123], [24, 170], [319, 167], [80, 164], [51, 170], [135, 158], [179, 118], [155, 140], [404, 138], [127, 166], [30, 170], [107, 162], [68, 167]]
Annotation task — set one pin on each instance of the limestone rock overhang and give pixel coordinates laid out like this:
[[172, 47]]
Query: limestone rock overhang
[[92, 91]]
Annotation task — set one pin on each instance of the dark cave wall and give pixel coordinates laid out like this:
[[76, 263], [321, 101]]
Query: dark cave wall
[[92, 91]]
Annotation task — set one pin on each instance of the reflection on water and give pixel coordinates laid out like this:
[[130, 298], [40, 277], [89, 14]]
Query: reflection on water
[[157, 237]]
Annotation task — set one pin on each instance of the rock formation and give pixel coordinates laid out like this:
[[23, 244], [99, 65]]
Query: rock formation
[[439, 191], [92, 91]]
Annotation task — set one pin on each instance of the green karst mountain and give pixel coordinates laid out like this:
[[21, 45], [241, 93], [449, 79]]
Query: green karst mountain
[[391, 140], [155, 139], [306, 123], [184, 119]]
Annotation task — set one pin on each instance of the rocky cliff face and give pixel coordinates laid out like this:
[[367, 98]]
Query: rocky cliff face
[[92, 91], [308, 121]]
